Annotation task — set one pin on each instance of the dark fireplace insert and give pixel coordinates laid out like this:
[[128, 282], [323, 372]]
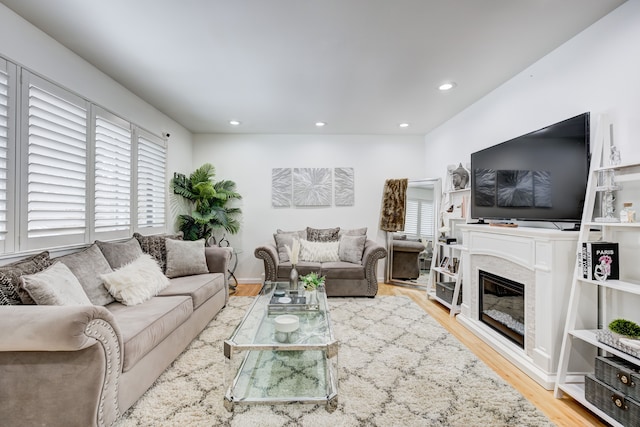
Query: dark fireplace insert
[[502, 306]]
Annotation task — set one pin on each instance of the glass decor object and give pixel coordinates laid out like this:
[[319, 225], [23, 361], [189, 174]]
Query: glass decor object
[[606, 189]]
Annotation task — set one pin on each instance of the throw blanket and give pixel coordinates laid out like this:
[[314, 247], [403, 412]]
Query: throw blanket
[[393, 204]]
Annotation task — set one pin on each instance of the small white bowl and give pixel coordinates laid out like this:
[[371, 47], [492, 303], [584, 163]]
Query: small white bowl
[[286, 323], [284, 300]]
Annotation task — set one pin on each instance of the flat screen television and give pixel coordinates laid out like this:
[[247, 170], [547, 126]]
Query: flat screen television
[[540, 176]]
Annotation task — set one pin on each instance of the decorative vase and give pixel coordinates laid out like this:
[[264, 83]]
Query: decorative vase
[[312, 298], [293, 278]]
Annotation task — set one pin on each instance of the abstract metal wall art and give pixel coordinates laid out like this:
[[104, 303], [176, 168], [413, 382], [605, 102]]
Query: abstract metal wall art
[[312, 186], [344, 188]]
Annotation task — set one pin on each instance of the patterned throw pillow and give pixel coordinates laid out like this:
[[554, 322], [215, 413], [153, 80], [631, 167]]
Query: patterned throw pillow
[[319, 251], [155, 246], [11, 292], [323, 234]]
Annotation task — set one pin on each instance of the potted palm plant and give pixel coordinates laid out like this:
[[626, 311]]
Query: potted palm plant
[[207, 200]]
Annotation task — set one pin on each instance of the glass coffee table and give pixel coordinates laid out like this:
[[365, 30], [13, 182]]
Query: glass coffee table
[[270, 366]]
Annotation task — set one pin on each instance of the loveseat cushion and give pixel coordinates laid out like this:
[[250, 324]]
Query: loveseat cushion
[[341, 270], [145, 325], [87, 265], [199, 288], [283, 238], [351, 248], [319, 251]]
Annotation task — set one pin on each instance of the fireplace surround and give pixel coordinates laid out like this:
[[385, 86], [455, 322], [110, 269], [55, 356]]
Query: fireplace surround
[[542, 261]]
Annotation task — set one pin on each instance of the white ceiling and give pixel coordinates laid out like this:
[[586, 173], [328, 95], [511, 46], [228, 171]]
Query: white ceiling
[[278, 66]]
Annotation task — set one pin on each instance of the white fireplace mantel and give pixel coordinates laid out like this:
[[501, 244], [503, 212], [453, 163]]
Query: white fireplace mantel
[[541, 259]]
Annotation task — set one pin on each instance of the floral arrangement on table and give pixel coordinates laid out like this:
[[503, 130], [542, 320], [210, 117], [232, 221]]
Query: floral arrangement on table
[[312, 281]]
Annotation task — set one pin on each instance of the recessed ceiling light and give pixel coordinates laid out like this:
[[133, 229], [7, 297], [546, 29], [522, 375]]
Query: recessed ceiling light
[[234, 122], [320, 124], [404, 125], [447, 86]]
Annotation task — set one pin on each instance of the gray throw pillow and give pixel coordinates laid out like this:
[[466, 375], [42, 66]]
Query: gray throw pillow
[[11, 292], [185, 258], [120, 253], [87, 266], [353, 232], [55, 286], [351, 248], [323, 234], [283, 238], [154, 245]]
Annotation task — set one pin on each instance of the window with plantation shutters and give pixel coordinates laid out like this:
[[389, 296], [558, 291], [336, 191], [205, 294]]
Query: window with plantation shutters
[[151, 181], [56, 145], [112, 172], [419, 220], [7, 152]]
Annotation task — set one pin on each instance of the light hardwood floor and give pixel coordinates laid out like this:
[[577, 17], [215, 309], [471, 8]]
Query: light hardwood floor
[[563, 412]]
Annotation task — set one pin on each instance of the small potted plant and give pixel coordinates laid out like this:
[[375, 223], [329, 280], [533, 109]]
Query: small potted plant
[[311, 282], [625, 328]]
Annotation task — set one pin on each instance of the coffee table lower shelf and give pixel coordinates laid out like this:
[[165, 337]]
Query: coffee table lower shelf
[[283, 376]]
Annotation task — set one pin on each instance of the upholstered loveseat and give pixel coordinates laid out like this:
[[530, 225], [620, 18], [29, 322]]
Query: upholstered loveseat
[[347, 258], [86, 360], [406, 257]]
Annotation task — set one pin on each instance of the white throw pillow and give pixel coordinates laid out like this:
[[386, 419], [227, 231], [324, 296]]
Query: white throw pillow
[[136, 282], [185, 258], [319, 251], [55, 286]]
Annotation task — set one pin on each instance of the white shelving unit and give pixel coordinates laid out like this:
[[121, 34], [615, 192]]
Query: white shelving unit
[[576, 338], [441, 250]]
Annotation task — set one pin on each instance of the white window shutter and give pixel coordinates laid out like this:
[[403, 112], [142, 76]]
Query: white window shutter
[[411, 217], [7, 153], [112, 172], [427, 225], [151, 182], [56, 165]]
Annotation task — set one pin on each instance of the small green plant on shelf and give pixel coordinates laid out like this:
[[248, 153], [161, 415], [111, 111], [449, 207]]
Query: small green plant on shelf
[[625, 327], [312, 281]]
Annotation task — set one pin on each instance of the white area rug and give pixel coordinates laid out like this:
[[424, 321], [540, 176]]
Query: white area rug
[[398, 367]]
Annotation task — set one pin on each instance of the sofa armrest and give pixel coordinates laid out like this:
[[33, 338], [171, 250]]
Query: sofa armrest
[[57, 357], [269, 254], [373, 252], [218, 259], [54, 328]]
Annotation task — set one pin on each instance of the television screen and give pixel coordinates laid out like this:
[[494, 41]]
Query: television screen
[[540, 176]]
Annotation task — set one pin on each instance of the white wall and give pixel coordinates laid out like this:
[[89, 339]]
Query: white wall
[[596, 71], [248, 160], [26, 45]]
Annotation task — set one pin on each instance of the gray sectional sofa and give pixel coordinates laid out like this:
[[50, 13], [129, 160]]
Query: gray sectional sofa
[[347, 258], [84, 365]]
